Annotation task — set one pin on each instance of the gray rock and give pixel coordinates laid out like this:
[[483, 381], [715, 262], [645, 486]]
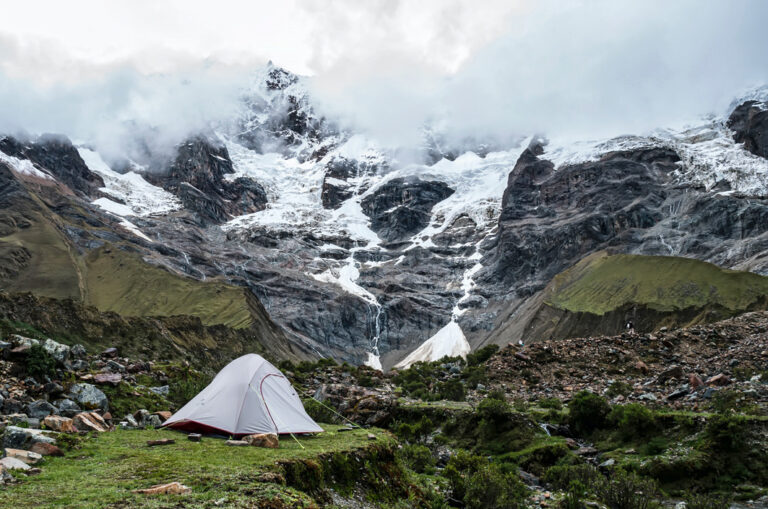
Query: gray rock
[[161, 391], [53, 388], [115, 367], [12, 406], [130, 422], [23, 438], [154, 420], [647, 397], [18, 340], [89, 397], [14, 464], [77, 351], [40, 409], [56, 350], [67, 407], [607, 464], [80, 365]]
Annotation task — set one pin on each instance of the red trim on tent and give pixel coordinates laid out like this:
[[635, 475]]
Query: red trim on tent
[[199, 427]]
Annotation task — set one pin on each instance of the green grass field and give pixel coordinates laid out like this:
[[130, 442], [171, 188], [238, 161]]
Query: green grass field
[[105, 470], [601, 283]]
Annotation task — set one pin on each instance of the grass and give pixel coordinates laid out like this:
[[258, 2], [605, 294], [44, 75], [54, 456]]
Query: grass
[[601, 283], [110, 465]]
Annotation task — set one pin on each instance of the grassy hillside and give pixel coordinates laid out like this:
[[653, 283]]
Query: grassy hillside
[[121, 282], [602, 283]]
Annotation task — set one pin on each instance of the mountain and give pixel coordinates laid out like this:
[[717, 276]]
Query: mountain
[[330, 245]]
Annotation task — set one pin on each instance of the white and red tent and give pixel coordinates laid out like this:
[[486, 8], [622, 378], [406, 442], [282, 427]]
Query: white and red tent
[[248, 396]]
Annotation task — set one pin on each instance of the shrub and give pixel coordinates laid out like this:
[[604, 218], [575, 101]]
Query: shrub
[[39, 363], [588, 412], [480, 484], [627, 490], [574, 496], [414, 432], [490, 488], [561, 476], [726, 433], [724, 401], [656, 446], [482, 355], [497, 394], [698, 501], [474, 375], [319, 412], [632, 420], [452, 390], [418, 458], [618, 389], [552, 403]]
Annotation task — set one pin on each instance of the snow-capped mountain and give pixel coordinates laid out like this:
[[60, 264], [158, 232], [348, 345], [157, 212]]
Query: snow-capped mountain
[[363, 257]]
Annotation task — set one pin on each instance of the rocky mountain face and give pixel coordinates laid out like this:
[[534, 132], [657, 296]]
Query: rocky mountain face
[[358, 256]]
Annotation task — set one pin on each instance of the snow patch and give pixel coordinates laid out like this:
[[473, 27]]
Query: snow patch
[[448, 341], [24, 167]]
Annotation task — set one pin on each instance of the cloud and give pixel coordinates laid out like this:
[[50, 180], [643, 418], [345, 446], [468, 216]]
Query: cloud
[[493, 69]]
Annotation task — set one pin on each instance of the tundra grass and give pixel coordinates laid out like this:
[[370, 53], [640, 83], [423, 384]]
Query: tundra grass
[[601, 283], [109, 466]]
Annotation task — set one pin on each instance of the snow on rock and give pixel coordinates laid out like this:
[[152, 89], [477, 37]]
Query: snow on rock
[[449, 341], [140, 197], [134, 229], [24, 167]]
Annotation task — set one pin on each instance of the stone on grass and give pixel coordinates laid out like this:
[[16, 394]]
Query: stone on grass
[[194, 437], [174, 488], [44, 449], [163, 390], [89, 397], [237, 443], [23, 438], [109, 353], [90, 421], [14, 464], [56, 350], [67, 407], [268, 440], [164, 415], [108, 378], [164, 441], [40, 409], [77, 351], [720, 379], [59, 423], [371, 436], [28, 457]]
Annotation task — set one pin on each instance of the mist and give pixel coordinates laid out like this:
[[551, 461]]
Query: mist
[[496, 72]]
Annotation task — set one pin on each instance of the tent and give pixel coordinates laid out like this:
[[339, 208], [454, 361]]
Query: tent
[[248, 396]]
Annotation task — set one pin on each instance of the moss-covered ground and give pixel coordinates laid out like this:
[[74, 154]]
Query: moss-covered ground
[[105, 469]]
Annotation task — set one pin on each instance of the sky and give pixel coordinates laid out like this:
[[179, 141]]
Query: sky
[[482, 68]]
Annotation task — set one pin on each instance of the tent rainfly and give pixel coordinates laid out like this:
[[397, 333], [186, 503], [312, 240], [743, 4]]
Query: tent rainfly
[[248, 396]]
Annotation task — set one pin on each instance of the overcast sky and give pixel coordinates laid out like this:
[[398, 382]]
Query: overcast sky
[[482, 67]]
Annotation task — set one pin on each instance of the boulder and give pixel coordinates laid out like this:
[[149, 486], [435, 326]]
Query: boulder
[[129, 422], [12, 406], [28, 457], [115, 367], [44, 449], [671, 372], [80, 365], [109, 353], [40, 409], [89, 397], [21, 341], [59, 423], [56, 350], [164, 415], [161, 391], [90, 421], [14, 464], [108, 378], [67, 407], [268, 440], [153, 421], [23, 438], [695, 381], [641, 367], [53, 388], [77, 351], [720, 379]]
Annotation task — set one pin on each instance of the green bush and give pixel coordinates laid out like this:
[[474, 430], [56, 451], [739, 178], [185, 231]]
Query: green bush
[[482, 355], [418, 458], [699, 501], [319, 412], [588, 412], [632, 420], [474, 375], [656, 446], [560, 477], [552, 403], [574, 496], [490, 488], [618, 389], [726, 433], [627, 490], [414, 432], [481, 484], [452, 390], [724, 401], [39, 363]]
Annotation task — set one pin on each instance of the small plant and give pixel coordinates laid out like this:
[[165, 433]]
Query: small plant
[[618, 389], [627, 490], [418, 458], [552, 403], [561, 476], [588, 412], [700, 501], [574, 496], [632, 420], [656, 446], [39, 363]]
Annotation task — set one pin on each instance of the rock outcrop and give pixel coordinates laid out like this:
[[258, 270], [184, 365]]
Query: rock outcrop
[[749, 121]]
